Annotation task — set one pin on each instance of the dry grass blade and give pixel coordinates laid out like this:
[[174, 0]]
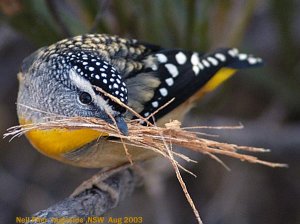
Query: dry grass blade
[[152, 137], [115, 99], [149, 137], [182, 184]]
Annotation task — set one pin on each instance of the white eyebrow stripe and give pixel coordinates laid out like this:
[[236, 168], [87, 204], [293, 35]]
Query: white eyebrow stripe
[[85, 86], [81, 83]]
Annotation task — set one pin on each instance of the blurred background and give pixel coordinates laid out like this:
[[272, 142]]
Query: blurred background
[[266, 101]]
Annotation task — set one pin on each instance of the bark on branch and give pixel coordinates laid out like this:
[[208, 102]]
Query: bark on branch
[[94, 197]]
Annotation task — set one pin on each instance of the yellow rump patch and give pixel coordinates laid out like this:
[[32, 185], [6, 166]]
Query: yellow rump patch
[[221, 76]]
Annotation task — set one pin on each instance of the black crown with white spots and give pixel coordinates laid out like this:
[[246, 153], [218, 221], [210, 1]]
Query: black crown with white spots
[[97, 71]]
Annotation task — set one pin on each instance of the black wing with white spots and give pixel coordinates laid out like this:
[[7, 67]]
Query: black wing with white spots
[[183, 73]]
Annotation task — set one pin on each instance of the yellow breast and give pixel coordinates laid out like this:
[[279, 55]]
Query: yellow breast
[[55, 142]]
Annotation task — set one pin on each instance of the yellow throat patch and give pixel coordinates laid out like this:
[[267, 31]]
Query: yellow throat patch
[[57, 141]]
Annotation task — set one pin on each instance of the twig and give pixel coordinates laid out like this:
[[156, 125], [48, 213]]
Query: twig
[[112, 188]]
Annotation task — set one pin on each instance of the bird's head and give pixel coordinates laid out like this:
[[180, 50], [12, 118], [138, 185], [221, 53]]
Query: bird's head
[[64, 82]]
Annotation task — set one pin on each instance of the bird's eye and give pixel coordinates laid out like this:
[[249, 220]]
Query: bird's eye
[[85, 98]]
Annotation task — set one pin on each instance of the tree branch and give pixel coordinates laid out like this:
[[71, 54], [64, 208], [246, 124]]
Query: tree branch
[[94, 197]]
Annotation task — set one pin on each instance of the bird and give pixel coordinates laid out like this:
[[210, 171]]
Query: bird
[[61, 78]]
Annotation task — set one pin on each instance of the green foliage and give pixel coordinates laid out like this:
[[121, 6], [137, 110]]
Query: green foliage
[[170, 22]]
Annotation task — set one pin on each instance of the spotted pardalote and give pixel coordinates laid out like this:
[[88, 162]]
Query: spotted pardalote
[[60, 80]]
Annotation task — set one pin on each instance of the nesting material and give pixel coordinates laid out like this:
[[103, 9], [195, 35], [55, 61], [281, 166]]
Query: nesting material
[[152, 137], [158, 139]]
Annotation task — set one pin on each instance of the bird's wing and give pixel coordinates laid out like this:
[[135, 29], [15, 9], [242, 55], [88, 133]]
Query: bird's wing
[[155, 75], [180, 74]]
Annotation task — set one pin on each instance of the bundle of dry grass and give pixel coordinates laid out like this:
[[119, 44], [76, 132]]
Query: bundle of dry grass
[[157, 139]]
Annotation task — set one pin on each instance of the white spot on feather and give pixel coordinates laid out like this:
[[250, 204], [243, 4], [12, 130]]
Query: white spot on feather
[[195, 59], [196, 69], [170, 81], [172, 69], [154, 67], [233, 52], [252, 60], [162, 58], [200, 66], [205, 63], [213, 61], [220, 56], [180, 58], [155, 104], [163, 91], [243, 57]]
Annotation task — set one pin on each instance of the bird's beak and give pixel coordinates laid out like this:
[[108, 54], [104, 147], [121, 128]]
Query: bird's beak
[[121, 124], [118, 119]]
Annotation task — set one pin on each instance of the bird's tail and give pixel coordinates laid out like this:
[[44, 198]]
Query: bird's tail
[[233, 61]]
